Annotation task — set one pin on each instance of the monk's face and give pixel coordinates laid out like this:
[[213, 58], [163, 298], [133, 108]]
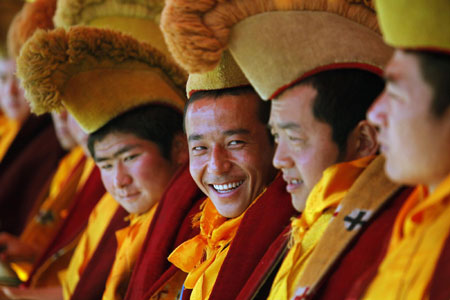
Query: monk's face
[[12, 99], [60, 124], [415, 142], [304, 145], [133, 170], [230, 151]]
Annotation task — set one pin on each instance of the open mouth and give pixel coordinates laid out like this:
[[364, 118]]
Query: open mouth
[[227, 187]]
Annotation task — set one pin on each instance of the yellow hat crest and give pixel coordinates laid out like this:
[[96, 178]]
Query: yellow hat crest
[[96, 74]]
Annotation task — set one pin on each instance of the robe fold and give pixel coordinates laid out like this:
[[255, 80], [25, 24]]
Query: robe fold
[[171, 225], [57, 254], [25, 171]]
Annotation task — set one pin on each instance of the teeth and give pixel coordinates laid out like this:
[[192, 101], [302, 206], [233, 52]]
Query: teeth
[[227, 187], [295, 181]]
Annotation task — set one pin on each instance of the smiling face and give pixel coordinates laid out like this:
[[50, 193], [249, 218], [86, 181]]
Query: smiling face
[[12, 98], [230, 151], [304, 145], [133, 170], [416, 143]]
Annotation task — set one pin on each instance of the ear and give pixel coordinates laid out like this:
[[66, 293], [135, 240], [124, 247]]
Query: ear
[[179, 153], [362, 141]]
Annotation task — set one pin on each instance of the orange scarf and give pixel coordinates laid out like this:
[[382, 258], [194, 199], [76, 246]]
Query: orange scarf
[[8, 131], [309, 227], [418, 237], [202, 256]]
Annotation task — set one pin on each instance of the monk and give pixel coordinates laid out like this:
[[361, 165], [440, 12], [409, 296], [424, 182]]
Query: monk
[[413, 116], [325, 147], [30, 155]]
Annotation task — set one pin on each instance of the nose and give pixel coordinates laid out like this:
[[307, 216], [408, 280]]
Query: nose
[[218, 162], [121, 176], [281, 158], [13, 87], [377, 112]]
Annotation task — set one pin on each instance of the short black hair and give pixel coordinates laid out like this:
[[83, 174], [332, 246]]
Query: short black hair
[[435, 69], [343, 98], [263, 106], [154, 122]]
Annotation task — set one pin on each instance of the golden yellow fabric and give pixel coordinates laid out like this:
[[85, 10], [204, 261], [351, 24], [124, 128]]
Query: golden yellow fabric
[[227, 74], [202, 256], [8, 131], [171, 289], [129, 243], [418, 237], [415, 23], [98, 222], [309, 227], [42, 228]]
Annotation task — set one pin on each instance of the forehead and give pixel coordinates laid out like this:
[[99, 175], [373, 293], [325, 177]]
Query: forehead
[[403, 68], [115, 141], [293, 107], [226, 112]]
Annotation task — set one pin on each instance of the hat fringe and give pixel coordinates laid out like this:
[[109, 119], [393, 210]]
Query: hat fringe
[[197, 32], [49, 59]]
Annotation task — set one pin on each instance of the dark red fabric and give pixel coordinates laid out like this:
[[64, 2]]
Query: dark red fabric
[[365, 252], [260, 227], [440, 284], [76, 221], [93, 280], [258, 283], [171, 225], [25, 170]]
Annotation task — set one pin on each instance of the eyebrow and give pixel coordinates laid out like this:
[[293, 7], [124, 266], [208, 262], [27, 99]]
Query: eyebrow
[[119, 152], [197, 137]]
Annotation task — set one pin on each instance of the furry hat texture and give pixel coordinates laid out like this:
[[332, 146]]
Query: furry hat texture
[[197, 32], [34, 15], [51, 64]]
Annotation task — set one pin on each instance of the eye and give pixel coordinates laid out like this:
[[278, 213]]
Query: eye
[[296, 140], [105, 166], [275, 137], [235, 144], [198, 150], [132, 157]]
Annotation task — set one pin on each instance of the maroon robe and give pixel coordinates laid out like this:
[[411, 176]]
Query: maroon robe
[[74, 224], [262, 224], [171, 226], [363, 254], [26, 170]]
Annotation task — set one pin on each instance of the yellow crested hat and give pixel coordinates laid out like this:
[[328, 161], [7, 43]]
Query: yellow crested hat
[[34, 15], [96, 74], [137, 18], [415, 24], [8, 9], [275, 42]]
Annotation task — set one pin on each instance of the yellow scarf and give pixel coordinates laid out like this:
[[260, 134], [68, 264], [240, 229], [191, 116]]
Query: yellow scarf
[[202, 256], [309, 227], [99, 220], [418, 237], [129, 243], [8, 131]]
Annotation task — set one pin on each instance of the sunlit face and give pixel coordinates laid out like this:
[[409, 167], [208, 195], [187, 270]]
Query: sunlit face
[[133, 170], [65, 138], [12, 99], [304, 145], [230, 151], [415, 142]]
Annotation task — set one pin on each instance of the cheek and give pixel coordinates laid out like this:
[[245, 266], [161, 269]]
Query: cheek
[[107, 180]]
